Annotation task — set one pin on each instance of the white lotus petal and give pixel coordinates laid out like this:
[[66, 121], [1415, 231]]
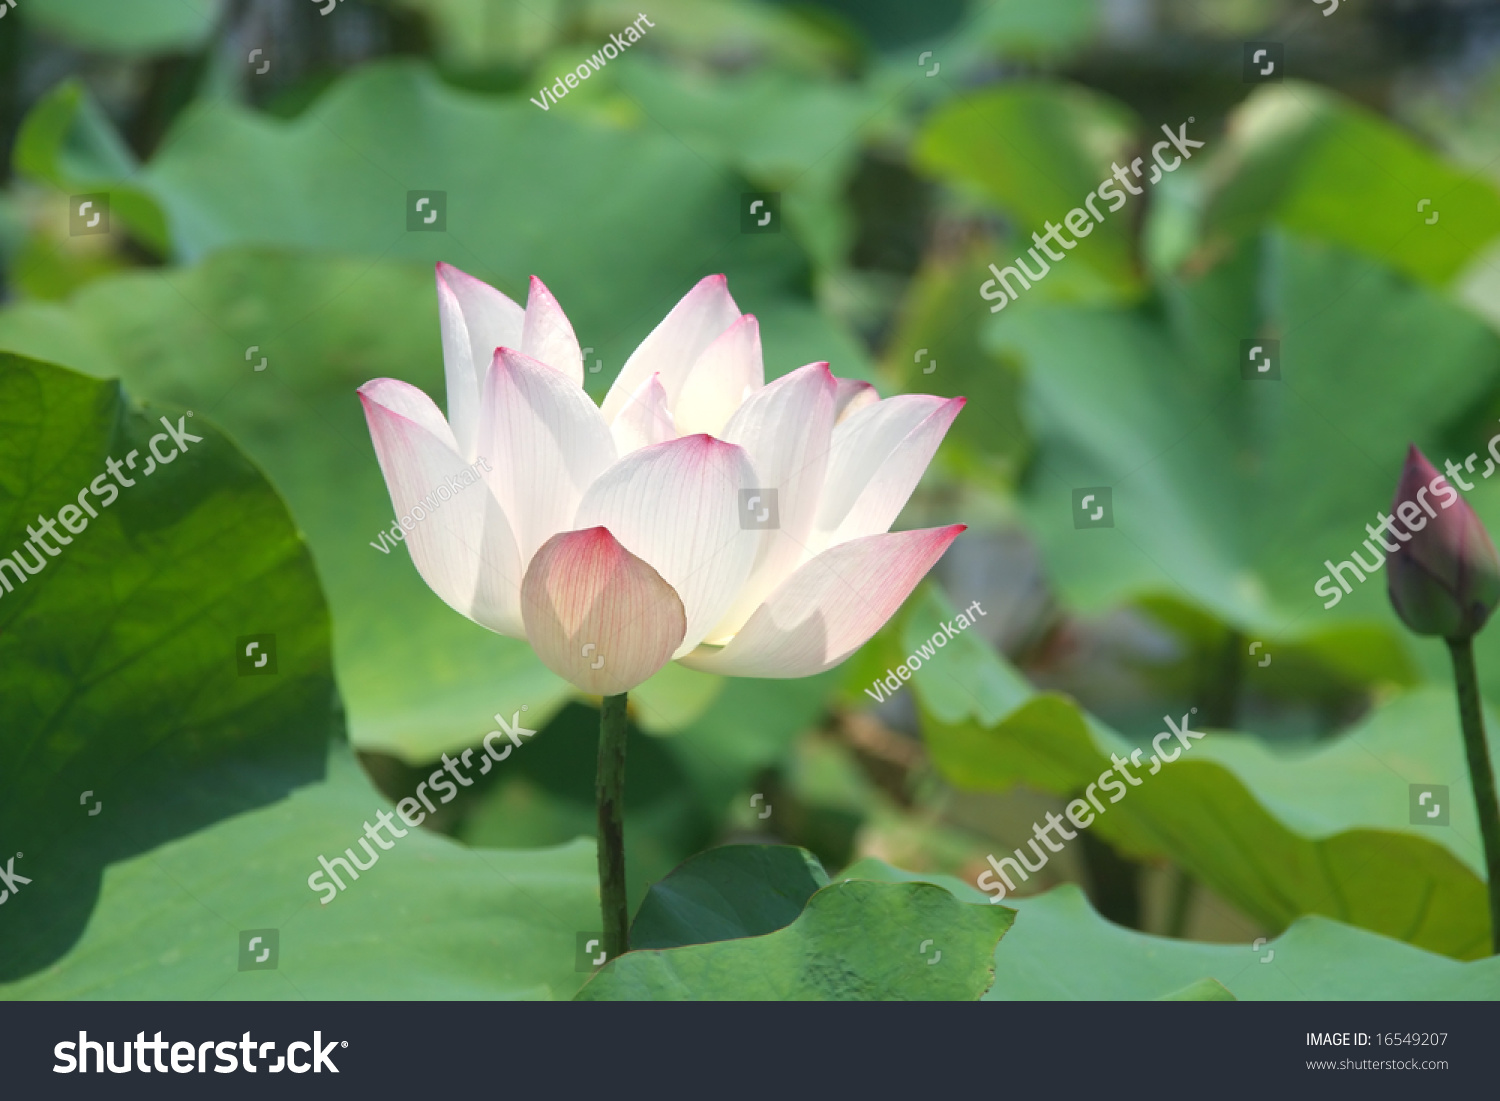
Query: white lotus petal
[[674, 346], [787, 430], [727, 373], [475, 319], [853, 395], [546, 442], [645, 419], [462, 546], [548, 334], [879, 455], [830, 607], [406, 400], [597, 615], [676, 505]]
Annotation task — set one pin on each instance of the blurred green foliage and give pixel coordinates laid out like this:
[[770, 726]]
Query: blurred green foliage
[[257, 209]]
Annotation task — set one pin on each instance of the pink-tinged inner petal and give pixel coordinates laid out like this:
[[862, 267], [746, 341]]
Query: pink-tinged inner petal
[[546, 442], [879, 455], [457, 534], [548, 334], [674, 346], [475, 319], [853, 395], [598, 615], [720, 380], [787, 430], [677, 506], [645, 419], [830, 607]]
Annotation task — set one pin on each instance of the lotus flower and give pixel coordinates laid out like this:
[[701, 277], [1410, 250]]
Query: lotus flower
[[1445, 576], [699, 514]]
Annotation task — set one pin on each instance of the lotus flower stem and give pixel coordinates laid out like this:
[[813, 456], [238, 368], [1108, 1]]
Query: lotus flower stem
[[1481, 775], [610, 794]]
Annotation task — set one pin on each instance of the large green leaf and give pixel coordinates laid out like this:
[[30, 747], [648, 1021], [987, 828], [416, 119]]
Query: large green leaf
[[1293, 155], [1279, 835], [1232, 493], [439, 920], [124, 718], [1037, 150], [1060, 949], [727, 893], [855, 941], [142, 26]]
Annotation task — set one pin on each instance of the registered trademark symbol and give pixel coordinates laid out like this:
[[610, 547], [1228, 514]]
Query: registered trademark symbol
[[345, 1043]]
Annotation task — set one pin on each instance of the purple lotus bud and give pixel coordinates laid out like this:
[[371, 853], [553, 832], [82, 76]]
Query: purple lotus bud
[[1445, 576]]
